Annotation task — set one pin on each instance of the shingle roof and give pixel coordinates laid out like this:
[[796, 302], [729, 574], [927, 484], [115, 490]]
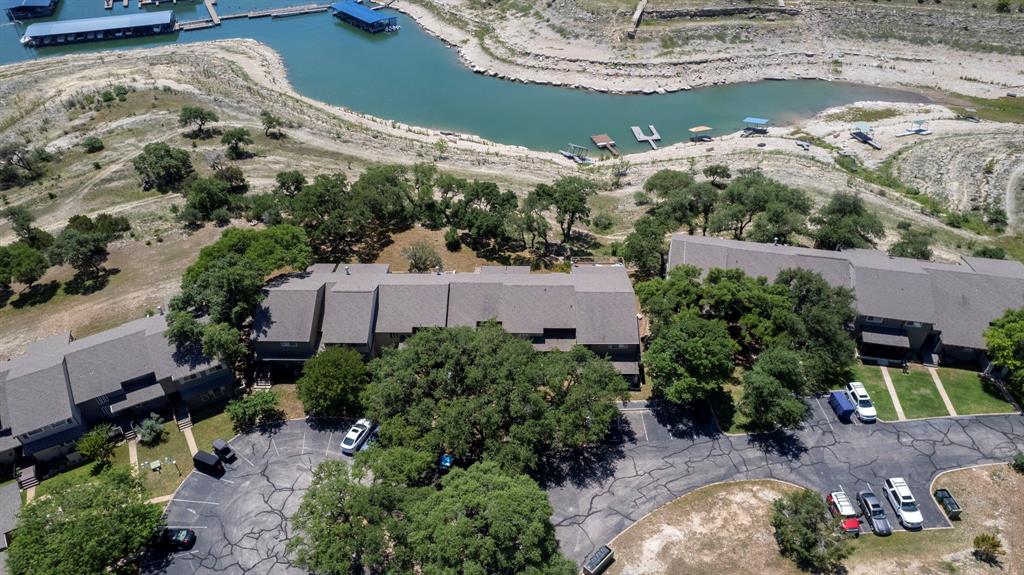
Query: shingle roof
[[288, 313], [98, 365], [37, 393], [408, 301], [960, 300], [348, 317]]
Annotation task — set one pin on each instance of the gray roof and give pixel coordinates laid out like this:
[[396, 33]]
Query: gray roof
[[887, 339], [321, 268], [288, 313], [10, 505], [37, 393], [524, 303], [137, 397], [348, 317], [960, 300], [39, 387]]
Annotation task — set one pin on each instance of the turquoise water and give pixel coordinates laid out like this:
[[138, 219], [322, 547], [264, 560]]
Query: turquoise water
[[414, 78]]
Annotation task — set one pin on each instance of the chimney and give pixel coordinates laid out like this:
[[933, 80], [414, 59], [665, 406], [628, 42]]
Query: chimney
[[348, 272]]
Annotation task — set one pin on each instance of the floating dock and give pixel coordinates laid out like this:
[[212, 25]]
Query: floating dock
[[604, 142], [364, 18], [61, 32], [25, 9], [642, 137]]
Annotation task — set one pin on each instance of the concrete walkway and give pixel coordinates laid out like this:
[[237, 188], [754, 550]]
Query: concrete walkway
[[161, 499], [30, 494], [892, 393], [942, 391], [190, 440], [133, 455]]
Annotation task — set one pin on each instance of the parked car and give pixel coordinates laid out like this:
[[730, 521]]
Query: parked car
[[873, 512], [356, 436], [176, 539], [903, 503], [371, 439], [840, 404], [840, 507], [861, 401]]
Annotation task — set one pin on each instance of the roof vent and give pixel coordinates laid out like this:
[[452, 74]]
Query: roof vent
[[348, 271], [438, 270]]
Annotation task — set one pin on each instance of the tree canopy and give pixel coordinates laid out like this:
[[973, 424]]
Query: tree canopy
[[162, 167], [98, 526], [196, 116], [332, 381], [913, 243], [1005, 340], [568, 196], [845, 222], [691, 358], [806, 533], [485, 394]]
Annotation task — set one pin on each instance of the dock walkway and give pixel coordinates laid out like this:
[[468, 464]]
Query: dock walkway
[[641, 137]]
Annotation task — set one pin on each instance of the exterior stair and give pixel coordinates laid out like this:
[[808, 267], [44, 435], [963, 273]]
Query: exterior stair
[[27, 477], [182, 417]]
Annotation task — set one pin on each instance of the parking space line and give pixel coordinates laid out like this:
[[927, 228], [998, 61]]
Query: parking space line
[[330, 437], [275, 447], [825, 413], [303, 449], [244, 458], [191, 501], [644, 423]]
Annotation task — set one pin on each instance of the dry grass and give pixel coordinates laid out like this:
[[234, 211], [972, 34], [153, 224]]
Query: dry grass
[[704, 531], [464, 260], [288, 396]]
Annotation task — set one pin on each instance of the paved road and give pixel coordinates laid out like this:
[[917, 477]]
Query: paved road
[[241, 519], [659, 457]]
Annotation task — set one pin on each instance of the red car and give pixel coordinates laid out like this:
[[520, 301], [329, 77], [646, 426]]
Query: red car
[[839, 505]]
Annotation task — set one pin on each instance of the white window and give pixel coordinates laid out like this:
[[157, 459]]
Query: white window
[[912, 324], [872, 319], [289, 344]]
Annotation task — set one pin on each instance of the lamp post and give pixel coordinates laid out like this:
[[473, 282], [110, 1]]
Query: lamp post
[[173, 462]]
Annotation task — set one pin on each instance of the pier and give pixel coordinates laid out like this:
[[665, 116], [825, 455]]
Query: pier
[[605, 142], [641, 137]]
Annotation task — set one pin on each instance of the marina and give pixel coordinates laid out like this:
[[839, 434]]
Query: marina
[[423, 82]]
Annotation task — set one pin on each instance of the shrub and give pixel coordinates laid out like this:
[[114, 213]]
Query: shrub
[[92, 144], [452, 240], [1018, 463], [96, 444], [642, 198], [1003, 6], [221, 216], [603, 222], [806, 534], [988, 548], [256, 409], [422, 257], [151, 431]]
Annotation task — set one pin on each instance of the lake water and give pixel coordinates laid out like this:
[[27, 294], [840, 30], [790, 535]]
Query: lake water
[[414, 78]]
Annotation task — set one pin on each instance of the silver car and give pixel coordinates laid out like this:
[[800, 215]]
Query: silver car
[[873, 512]]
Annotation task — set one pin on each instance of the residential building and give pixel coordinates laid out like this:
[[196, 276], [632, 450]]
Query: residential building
[[63, 386], [367, 308], [906, 308]]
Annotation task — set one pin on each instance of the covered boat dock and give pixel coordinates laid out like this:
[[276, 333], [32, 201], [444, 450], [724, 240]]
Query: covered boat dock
[[364, 18], [24, 9], [102, 28]]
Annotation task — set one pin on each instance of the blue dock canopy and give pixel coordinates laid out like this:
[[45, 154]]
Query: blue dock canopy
[[360, 12], [11, 4], [755, 121], [100, 24]]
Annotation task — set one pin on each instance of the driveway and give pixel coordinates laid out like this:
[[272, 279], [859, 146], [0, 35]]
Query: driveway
[[659, 456], [241, 519]]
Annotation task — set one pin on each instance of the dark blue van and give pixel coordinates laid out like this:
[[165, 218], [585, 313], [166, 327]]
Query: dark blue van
[[841, 405]]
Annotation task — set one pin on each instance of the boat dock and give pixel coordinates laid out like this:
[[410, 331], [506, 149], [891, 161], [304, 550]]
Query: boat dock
[[605, 142], [641, 137]]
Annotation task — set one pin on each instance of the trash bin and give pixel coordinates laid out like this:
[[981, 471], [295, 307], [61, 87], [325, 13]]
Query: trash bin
[[948, 503], [599, 561], [208, 463]]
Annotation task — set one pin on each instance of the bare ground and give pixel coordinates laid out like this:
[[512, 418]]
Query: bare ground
[[724, 528]]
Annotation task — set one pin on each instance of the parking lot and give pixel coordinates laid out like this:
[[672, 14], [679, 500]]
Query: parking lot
[[653, 457], [241, 519], [658, 456]]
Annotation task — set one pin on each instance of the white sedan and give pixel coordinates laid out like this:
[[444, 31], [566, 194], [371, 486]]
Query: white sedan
[[357, 436]]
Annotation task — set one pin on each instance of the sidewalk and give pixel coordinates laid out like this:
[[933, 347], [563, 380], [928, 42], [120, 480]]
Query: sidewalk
[[942, 391], [892, 393]]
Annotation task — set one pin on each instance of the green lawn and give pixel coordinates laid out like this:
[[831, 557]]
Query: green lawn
[[871, 377], [211, 424], [970, 394], [174, 447], [80, 474], [918, 394]]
